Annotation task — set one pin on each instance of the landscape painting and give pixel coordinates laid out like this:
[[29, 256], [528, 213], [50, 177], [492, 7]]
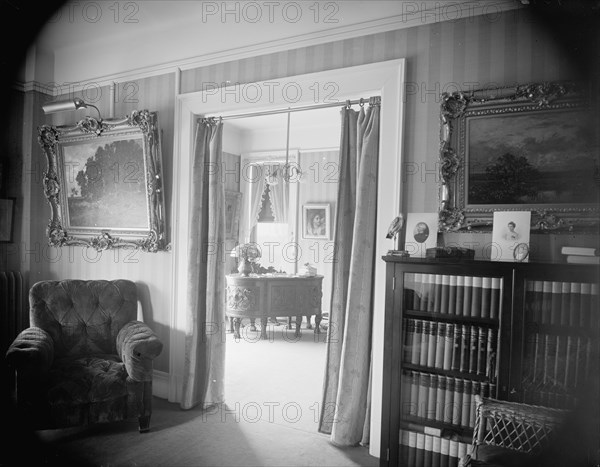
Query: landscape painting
[[541, 157], [105, 184]]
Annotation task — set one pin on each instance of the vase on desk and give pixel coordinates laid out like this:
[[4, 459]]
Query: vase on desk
[[244, 267]]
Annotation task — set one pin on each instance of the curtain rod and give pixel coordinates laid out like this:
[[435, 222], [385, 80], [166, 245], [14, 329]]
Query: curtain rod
[[375, 100]]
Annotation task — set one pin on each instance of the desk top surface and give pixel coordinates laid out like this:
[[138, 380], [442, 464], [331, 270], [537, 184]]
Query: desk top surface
[[272, 276]]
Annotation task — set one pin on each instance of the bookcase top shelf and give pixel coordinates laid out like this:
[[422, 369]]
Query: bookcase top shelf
[[478, 262]]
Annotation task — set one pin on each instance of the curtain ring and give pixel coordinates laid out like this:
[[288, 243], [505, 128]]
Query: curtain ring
[[361, 102], [348, 104]]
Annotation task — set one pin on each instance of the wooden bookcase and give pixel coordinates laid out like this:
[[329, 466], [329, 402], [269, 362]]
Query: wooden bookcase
[[521, 332]]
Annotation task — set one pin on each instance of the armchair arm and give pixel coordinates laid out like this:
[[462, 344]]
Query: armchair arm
[[32, 352], [138, 346]]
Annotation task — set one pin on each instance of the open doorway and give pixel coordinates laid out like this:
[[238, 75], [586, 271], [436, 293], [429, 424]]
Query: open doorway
[[279, 379], [385, 78]]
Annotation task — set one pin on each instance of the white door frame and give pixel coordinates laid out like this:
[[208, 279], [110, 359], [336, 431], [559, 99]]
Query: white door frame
[[386, 79]]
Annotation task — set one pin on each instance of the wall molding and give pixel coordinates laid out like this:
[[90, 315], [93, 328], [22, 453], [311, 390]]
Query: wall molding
[[431, 13]]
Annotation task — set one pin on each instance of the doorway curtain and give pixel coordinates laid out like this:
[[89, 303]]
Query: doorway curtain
[[345, 409], [204, 367]]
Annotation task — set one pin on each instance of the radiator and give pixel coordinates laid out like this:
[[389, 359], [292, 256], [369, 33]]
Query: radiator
[[14, 316]]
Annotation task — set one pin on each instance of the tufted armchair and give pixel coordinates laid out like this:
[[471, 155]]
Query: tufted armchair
[[85, 359]]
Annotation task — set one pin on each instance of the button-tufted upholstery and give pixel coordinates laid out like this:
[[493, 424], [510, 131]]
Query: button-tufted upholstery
[[85, 358]]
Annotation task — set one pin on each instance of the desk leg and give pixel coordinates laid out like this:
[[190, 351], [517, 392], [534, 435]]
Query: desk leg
[[231, 324], [308, 325], [298, 324], [263, 328], [236, 327], [252, 324], [318, 319]]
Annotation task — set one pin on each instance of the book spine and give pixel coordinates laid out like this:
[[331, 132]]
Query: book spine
[[465, 347], [529, 302], [415, 355], [462, 451], [491, 366], [452, 295], [575, 259], [456, 350], [482, 354], [580, 251], [473, 349], [423, 292], [465, 415], [445, 293], [423, 396], [555, 303], [476, 292], [419, 460], [565, 295], [538, 301], [432, 343], [412, 449], [431, 292], [448, 346], [594, 319], [495, 297], [468, 296], [415, 390], [458, 400], [416, 305], [448, 411], [440, 345], [437, 292], [460, 294], [546, 302], [453, 455], [424, 343], [475, 390], [436, 452], [444, 452], [441, 398], [486, 296], [409, 339], [571, 361], [432, 401], [404, 443], [584, 315], [428, 450]]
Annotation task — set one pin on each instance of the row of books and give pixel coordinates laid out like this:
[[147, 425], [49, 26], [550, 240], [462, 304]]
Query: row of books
[[442, 398], [472, 296], [422, 450], [562, 303], [559, 362], [549, 398], [450, 346]]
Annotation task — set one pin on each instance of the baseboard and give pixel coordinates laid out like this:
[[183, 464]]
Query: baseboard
[[160, 384]]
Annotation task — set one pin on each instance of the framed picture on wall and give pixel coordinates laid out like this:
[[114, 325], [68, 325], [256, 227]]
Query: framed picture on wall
[[233, 202], [104, 183], [316, 222]]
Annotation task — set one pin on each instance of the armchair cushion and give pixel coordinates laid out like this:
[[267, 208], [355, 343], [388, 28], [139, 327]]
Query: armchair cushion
[[32, 351], [138, 345]]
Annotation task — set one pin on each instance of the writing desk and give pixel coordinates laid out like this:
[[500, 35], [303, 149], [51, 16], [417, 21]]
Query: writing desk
[[263, 296]]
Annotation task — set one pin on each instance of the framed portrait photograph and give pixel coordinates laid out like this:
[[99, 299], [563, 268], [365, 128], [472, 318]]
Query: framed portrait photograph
[[510, 236], [104, 183], [420, 233], [530, 147], [316, 222], [7, 218], [233, 202]]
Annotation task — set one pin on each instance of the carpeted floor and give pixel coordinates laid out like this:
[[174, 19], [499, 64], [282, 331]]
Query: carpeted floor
[[273, 392]]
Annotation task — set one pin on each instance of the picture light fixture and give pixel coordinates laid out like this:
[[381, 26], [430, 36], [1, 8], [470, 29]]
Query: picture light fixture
[[69, 104]]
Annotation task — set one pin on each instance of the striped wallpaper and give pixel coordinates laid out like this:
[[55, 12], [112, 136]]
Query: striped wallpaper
[[505, 49]]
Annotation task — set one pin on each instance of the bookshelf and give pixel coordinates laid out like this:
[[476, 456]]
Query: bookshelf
[[521, 332]]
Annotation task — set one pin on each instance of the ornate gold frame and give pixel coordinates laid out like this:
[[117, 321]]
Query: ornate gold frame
[[456, 109], [139, 125]]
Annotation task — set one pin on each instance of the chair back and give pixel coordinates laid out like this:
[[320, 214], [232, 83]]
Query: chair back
[[83, 317]]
